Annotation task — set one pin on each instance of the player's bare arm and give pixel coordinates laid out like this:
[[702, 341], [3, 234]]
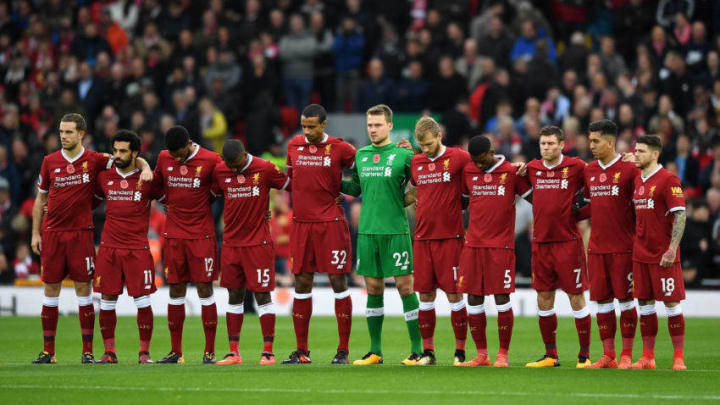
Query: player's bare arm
[[146, 173], [404, 143], [38, 214], [678, 228], [411, 196]]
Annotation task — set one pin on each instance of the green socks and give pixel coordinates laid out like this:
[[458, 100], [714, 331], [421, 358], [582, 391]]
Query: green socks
[[375, 315], [411, 307]]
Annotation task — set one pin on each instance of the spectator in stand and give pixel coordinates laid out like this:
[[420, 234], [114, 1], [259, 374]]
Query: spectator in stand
[[497, 43], [412, 90], [469, 65], [297, 51], [445, 91], [525, 47], [377, 88], [348, 48], [213, 125]]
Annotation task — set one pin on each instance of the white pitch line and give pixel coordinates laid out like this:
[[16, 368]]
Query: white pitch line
[[363, 391]]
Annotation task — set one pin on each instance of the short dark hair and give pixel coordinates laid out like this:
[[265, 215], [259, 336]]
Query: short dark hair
[[381, 109], [232, 150], [176, 138], [126, 135], [605, 127], [553, 130], [478, 145], [78, 119], [315, 110], [652, 141]]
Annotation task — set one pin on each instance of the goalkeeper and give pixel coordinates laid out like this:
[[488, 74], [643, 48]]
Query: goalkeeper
[[384, 248]]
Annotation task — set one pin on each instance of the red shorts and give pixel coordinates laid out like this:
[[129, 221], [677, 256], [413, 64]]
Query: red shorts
[[67, 253], [559, 265], [486, 271], [610, 276], [320, 247], [190, 260], [654, 282], [435, 264], [250, 266], [131, 267]]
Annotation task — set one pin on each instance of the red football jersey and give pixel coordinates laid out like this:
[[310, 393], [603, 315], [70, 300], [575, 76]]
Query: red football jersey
[[127, 207], [315, 171], [555, 189], [656, 197], [187, 193], [70, 186], [492, 203], [610, 190], [247, 196], [439, 189]]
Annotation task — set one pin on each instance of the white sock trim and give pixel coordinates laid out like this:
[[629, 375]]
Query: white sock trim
[[267, 309], [647, 309], [374, 312], [299, 296], [51, 301], [177, 301], [606, 308], [83, 301], [627, 306], [412, 315], [238, 309], [142, 302], [504, 307], [107, 305], [457, 306], [207, 301], [342, 295], [427, 306], [581, 313], [549, 312], [674, 311], [476, 309]]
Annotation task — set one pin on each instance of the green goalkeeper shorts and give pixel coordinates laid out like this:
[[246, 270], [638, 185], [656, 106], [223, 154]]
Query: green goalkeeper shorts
[[383, 256]]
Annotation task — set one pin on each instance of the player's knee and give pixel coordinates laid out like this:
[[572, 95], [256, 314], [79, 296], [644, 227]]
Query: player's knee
[[82, 288], [475, 300], [52, 290], [236, 296], [204, 290], [303, 283], [108, 297], [263, 298], [430, 297], [453, 298], [338, 282], [577, 301], [405, 290], [502, 299], [177, 290]]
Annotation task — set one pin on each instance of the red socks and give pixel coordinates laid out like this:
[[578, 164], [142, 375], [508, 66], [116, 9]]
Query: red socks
[[459, 320], [176, 319], [266, 313], [234, 320], [583, 324], [108, 321], [86, 313], [607, 326], [548, 326], [478, 322], [676, 327], [505, 322], [302, 311], [209, 320], [49, 318], [628, 325], [426, 322], [648, 329], [144, 322], [343, 314]]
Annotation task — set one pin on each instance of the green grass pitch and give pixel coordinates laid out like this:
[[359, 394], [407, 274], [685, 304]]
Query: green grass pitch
[[192, 383]]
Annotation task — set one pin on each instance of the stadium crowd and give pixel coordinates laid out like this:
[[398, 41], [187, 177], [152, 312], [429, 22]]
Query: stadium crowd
[[243, 69]]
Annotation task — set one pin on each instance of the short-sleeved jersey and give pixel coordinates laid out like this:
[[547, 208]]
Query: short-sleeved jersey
[[127, 207], [555, 189], [70, 185], [315, 171], [492, 203], [247, 196], [187, 193], [381, 175], [439, 188], [656, 197], [610, 190]]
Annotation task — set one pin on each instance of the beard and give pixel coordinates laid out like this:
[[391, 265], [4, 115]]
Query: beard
[[122, 164]]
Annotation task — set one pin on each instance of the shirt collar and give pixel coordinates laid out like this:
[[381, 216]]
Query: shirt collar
[[556, 164], [644, 179], [442, 152], [612, 162], [195, 152], [128, 174], [500, 161], [250, 158], [325, 138], [82, 151]]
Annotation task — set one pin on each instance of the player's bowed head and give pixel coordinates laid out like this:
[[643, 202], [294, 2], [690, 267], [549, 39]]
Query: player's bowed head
[[313, 121], [178, 143], [481, 152], [429, 136], [234, 155]]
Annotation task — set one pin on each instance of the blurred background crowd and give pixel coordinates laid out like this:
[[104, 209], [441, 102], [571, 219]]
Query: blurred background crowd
[[244, 68]]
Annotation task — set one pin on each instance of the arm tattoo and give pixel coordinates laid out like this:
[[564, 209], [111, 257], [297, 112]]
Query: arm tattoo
[[678, 227]]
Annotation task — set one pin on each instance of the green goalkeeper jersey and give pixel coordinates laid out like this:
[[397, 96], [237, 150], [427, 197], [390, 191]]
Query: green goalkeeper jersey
[[381, 174]]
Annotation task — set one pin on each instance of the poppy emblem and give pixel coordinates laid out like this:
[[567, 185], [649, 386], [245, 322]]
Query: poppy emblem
[[183, 170], [487, 178], [641, 190], [241, 178], [603, 178], [376, 158], [70, 169], [431, 166], [551, 174], [124, 184], [313, 148]]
